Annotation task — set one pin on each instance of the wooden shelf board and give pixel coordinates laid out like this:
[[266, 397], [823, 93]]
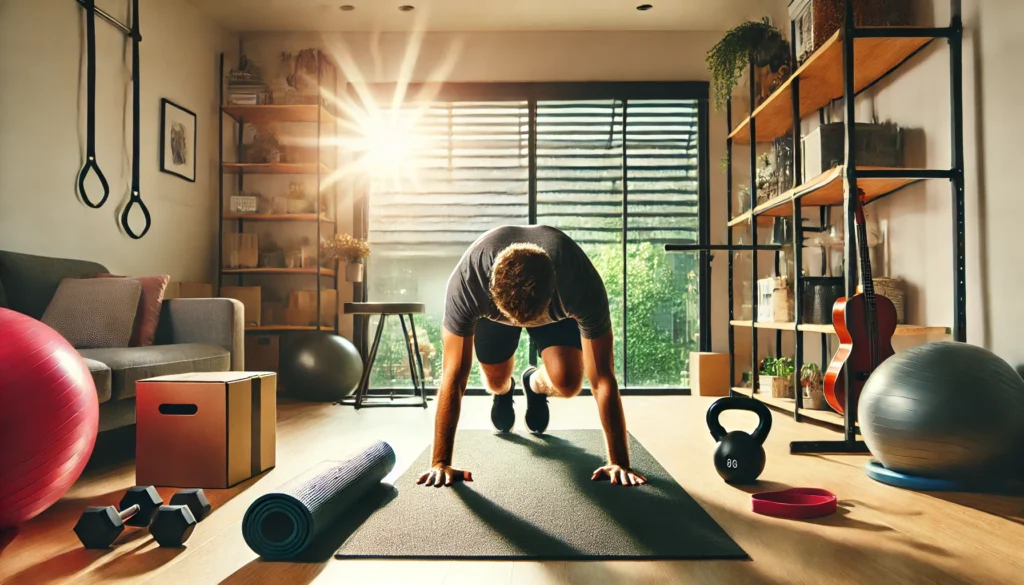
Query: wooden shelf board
[[901, 330], [277, 217], [278, 113], [789, 405], [825, 190], [272, 328], [323, 271], [821, 81], [745, 217], [274, 168]]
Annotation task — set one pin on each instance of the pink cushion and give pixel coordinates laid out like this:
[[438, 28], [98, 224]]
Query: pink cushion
[[150, 303]]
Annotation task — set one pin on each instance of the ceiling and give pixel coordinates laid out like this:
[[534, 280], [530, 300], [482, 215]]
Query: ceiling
[[484, 15]]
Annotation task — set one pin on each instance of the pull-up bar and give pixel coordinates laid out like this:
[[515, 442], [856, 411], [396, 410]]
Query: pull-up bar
[[107, 17]]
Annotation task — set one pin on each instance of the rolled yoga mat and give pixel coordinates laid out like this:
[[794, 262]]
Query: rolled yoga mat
[[282, 524]]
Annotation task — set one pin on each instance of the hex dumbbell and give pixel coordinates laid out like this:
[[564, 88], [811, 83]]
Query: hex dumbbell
[[99, 526], [174, 524]]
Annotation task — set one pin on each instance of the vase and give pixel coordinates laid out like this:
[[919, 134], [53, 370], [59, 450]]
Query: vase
[[354, 271]]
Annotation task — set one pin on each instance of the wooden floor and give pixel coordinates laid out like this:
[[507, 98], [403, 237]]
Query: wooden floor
[[881, 534]]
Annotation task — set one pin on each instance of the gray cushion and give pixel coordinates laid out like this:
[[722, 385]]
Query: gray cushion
[[30, 281], [101, 377], [95, 312], [131, 364]]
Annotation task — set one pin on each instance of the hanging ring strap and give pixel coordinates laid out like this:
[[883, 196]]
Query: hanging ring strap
[[90, 139], [135, 198]]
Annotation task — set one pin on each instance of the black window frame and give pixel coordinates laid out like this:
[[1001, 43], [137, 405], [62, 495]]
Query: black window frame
[[533, 92]]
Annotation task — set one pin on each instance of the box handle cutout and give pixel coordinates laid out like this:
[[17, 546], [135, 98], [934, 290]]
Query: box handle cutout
[[178, 409]]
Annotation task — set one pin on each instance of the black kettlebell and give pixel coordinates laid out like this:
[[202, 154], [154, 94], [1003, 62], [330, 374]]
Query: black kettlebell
[[739, 457]]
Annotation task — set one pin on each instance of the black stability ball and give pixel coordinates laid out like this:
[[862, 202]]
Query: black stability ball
[[320, 367], [943, 410]]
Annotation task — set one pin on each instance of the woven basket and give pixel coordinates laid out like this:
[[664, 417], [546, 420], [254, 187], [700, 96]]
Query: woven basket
[[781, 386], [895, 290]]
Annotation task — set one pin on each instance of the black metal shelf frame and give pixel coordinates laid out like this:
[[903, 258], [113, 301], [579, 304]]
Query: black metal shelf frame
[[955, 175], [240, 222]]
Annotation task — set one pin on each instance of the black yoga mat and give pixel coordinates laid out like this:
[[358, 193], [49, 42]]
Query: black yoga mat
[[532, 498], [283, 524]]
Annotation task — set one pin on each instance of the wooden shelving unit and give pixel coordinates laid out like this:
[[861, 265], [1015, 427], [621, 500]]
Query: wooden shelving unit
[[279, 113], [826, 190], [278, 271], [301, 217], [901, 330], [821, 80], [236, 178], [274, 168], [850, 61]]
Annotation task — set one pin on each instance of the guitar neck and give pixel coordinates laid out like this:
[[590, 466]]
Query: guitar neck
[[865, 262]]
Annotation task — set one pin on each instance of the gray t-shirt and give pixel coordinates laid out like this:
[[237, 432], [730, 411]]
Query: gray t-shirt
[[579, 293]]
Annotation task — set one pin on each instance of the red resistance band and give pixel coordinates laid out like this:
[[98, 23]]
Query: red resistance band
[[797, 503]]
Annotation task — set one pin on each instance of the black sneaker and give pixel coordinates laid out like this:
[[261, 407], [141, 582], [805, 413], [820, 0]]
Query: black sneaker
[[537, 413], [503, 416]]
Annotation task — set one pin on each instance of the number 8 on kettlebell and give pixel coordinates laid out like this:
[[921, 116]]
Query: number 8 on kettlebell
[[739, 457]]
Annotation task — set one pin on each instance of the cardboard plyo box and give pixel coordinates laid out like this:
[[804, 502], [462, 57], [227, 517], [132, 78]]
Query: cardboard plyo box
[[205, 429]]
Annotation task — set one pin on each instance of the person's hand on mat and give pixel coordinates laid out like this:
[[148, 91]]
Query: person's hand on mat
[[619, 475], [443, 475]]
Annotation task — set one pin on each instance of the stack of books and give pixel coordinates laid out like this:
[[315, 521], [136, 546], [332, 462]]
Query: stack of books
[[247, 92]]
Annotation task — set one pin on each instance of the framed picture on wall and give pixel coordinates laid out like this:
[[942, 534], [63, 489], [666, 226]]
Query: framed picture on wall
[[177, 140]]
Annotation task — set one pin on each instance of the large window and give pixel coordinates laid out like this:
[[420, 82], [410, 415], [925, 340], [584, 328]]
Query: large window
[[620, 175]]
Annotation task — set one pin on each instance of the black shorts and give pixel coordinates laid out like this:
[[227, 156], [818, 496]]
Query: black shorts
[[496, 342]]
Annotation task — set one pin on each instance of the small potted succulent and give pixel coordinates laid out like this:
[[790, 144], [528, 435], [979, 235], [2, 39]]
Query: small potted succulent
[[777, 374], [812, 386], [351, 250]]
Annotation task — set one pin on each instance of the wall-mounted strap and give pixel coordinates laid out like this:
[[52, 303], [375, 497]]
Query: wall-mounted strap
[[90, 164], [135, 198]]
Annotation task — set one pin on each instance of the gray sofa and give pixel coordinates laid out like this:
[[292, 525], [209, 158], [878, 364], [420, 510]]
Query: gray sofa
[[194, 335]]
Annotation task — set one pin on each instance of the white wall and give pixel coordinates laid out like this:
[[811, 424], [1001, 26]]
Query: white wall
[[42, 134]]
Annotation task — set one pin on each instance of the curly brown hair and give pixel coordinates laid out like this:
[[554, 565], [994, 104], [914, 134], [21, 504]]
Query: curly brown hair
[[522, 282]]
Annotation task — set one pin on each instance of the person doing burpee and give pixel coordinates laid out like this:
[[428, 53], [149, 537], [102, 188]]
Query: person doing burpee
[[537, 278]]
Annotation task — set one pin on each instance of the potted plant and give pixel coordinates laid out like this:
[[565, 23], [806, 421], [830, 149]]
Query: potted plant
[[351, 250], [756, 42], [812, 387], [777, 374]]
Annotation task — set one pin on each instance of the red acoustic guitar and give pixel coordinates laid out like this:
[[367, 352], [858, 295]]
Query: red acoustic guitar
[[865, 324]]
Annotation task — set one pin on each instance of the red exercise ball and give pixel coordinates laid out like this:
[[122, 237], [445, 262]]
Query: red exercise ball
[[49, 417]]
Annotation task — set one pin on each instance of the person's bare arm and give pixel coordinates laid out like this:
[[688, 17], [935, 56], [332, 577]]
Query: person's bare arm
[[599, 365], [457, 359]]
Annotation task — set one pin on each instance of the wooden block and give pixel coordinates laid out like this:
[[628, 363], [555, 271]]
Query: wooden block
[[251, 297], [709, 374], [262, 353]]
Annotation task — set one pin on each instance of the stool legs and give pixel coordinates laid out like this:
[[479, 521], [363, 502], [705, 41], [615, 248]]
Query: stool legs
[[416, 374], [364, 382], [419, 361]]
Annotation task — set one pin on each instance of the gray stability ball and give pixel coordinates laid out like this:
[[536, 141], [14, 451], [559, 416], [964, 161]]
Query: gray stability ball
[[943, 410], [320, 367]]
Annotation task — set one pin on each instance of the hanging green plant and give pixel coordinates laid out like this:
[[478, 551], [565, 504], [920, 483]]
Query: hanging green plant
[[755, 40]]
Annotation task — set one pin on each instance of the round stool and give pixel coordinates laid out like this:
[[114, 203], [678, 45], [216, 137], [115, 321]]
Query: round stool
[[412, 346]]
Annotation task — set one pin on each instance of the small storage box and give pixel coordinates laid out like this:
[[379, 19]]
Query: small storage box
[[878, 145], [262, 352], [818, 294], [205, 429]]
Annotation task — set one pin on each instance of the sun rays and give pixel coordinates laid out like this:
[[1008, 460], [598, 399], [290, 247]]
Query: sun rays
[[379, 137]]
